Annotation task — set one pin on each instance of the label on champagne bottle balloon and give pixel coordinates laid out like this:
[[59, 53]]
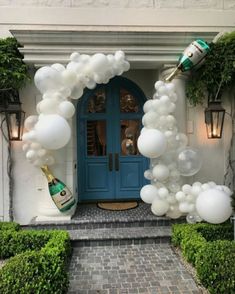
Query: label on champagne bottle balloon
[[61, 195]]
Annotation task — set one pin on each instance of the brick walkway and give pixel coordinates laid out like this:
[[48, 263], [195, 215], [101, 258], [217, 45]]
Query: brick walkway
[[128, 269]]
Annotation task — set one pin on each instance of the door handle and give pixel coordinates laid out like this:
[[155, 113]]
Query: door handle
[[110, 161], [116, 161]]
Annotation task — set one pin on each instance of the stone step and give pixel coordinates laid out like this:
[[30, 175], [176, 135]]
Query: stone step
[[98, 224], [120, 236]]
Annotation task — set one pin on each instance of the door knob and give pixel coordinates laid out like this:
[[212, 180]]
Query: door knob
[[116, 161]]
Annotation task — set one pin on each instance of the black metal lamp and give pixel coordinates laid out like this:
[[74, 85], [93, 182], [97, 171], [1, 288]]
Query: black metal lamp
[[10, 105], [214, 119]]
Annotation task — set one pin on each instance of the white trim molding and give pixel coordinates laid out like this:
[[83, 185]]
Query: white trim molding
[[149, 50]]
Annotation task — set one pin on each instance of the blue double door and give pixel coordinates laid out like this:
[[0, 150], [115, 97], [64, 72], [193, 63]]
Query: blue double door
[[109, 123]]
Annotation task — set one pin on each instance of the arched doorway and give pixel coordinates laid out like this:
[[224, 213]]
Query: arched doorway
[[110, 166]]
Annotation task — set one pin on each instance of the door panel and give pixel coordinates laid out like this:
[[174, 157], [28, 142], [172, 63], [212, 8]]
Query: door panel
[[110, 165]]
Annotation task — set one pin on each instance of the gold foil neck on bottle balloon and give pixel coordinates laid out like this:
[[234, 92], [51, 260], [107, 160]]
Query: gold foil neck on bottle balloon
[[47, 173], [172, 75]]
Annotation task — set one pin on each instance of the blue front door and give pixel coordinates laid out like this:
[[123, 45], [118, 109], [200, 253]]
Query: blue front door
[[109, 121]]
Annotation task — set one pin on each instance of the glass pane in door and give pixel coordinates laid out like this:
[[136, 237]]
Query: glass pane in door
[[130, 130], [128, 102], [97, 102], [96, 137]]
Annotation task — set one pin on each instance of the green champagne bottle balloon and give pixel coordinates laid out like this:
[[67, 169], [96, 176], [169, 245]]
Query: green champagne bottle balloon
[[192, 56], [60, 194]]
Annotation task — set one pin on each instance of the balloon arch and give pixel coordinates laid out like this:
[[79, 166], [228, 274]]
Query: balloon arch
[[160, 139]]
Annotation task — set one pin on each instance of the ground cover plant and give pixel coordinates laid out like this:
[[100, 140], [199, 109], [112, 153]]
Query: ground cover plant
[[38, 260], [211, 249]]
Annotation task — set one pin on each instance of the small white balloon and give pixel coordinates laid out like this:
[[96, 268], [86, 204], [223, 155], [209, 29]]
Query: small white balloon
[[161, 172], [66, 109], [148, 105], [180, 196], [148, 174], [31, 154], [158, 84], [159, 207], [163, 192], [186, 189], [148, 193], [30, 122]]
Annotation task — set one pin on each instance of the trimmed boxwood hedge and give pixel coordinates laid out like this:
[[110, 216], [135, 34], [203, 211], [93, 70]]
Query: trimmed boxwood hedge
[[38, 262], [211, 250]]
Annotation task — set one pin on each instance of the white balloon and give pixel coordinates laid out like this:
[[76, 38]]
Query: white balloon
[[41, 152], [47, 78], [162, 90], [159, 207], [48, 106], [99, 62], [59, 67], [174, 212], [148, 174], [30, 122], [148, 193], [188, 162], [53, 132], [148, 105], [31, 154], [149, 119], [76, 93], [214, 206], [74, 56], [161, 172], [186, 189], [152, 143], [69, 78], [184, 207], [180, 196], [205, 186], [158, 84], [66, 109], [163, 192], [182, 139]]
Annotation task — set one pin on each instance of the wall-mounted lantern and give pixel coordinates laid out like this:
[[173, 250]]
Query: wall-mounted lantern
[[10, 105], [214, 119]]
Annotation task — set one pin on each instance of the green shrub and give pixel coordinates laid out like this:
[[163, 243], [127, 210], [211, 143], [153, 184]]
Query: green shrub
[[215, 265], [42, 268], [214, 259], [9, 226], [15, 242]]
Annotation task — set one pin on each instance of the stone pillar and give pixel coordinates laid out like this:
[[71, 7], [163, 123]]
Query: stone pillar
[[181, 104]]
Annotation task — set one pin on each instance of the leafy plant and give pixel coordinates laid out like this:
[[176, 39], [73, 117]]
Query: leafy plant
[[208, 247], [216, 74], [13, 71], [39, 262]]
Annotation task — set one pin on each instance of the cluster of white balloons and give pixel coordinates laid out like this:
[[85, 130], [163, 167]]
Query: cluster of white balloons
[[171, 158], [208, 202], [50, 130]]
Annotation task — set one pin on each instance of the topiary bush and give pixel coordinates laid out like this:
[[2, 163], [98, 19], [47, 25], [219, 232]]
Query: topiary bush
[[215, 265], [40, 262], [213, 258]]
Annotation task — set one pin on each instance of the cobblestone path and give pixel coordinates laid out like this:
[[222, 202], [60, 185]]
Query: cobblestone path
[[124, 269]]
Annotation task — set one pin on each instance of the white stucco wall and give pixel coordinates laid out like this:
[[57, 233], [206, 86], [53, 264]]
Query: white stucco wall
[[108, 15]]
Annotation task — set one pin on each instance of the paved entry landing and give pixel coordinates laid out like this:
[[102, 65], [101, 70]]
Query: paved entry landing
[[149, 268]]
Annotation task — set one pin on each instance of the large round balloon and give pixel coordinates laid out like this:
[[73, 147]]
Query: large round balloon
[[188, 162], [52, 131], [152, 143], [159, 207], [47, 78], [214, 206], [148, 193]]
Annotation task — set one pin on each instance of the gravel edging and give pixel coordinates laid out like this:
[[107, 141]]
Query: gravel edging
[[190, 269]]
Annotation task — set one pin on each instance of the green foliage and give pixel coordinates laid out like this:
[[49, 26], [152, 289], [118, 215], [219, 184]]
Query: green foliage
[[9, 226], [39, 264], [217, 72], [13, 71], [215, 267], [214, 260]]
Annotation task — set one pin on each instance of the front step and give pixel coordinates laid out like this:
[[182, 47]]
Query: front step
[[121, 236]]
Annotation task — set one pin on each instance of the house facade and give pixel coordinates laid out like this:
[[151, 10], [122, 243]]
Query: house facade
[[96, 164]]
